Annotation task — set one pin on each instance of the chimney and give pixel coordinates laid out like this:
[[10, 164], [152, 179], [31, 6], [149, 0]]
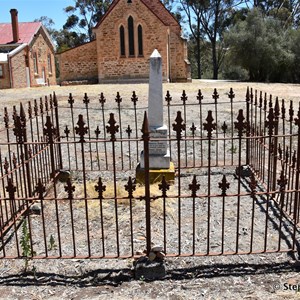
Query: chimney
[[15, 25]]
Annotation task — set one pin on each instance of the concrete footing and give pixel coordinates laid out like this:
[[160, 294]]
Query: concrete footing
[[155, 175]]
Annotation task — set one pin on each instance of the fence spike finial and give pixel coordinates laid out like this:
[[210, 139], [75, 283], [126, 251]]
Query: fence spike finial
[[215, 95], [130, 187], [112, 128], [49, 130], [184, 97], [209, 126], [118, 99], [55, 100], [194, 186], [86, 99], [29, 110], [164, 186], [134, 98], [277, 108], [22, 114], [168, 98], [6, 117], [199, 96], [11, 189], [240, 125], [71, 100], [145, 127], [193, 129], [46, 103], [260, 100], [100, 188], [178, 126], [81, 129], [224, 185], [97, 132], [283, 110], [128, 131], [231, 95], [102, 99], [272, 122]]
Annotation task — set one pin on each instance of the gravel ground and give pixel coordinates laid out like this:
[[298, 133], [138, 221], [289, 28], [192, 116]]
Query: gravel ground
[[270, 276]]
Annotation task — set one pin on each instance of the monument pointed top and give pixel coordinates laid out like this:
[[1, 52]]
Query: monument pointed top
[[155, 54]]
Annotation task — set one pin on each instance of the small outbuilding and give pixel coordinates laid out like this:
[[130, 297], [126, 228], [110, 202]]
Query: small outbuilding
[[125, 37], [26, 54]]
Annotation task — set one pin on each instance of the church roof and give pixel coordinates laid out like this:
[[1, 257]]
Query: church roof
[[157, 8], [27, 30]]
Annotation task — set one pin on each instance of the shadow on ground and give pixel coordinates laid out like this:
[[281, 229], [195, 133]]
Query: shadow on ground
[[115, 277]]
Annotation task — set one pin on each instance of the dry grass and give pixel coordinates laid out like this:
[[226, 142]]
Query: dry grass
[[157, 204]]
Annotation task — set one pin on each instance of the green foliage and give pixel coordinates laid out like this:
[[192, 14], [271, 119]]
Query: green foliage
[[48, 24], [205, 59], [261, 46], [52, 244], [234, 72], [84, 15], [26, 245]]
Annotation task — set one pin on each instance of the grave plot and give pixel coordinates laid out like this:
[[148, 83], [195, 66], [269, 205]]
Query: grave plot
[[68, 175]]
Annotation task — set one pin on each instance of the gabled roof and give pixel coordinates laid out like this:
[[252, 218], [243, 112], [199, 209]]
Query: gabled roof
[[157, 8], [27, 30]]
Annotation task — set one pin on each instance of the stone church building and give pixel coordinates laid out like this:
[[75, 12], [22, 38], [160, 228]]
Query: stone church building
[[126, 36]]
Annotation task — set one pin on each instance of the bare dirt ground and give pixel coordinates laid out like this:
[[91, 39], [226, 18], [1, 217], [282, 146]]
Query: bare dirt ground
[[286, 91], [269, 276]]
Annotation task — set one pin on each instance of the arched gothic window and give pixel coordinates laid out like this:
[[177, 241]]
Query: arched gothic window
[[140, 40], [131, 36], [122, 41]]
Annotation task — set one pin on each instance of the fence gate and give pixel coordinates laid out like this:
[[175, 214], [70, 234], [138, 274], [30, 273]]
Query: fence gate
[[68, 186]]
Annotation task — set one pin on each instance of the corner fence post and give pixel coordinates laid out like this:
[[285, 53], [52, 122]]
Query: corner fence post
[[248, 127], [26, 152], [145, 137], [297, 184]]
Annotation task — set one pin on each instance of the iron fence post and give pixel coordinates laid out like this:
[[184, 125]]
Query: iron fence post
[[26, 154], [57, 130], [145, 137], [248, 127]]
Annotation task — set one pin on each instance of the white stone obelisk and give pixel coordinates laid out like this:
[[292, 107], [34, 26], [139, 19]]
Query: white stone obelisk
[[159, 156]]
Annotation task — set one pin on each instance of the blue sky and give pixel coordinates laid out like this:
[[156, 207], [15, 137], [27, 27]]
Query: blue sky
[[33, 9]]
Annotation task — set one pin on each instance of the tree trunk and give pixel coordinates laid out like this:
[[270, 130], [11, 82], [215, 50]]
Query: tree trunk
[[215, 60], [198, 58]]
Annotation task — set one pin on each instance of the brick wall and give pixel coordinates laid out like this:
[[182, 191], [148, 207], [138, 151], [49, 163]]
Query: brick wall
[[79, 63], [18, 69], [180, 68], [5, 81], [42, 48]]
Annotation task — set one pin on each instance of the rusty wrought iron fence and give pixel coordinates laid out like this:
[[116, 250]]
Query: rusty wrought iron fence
[[236, 189]]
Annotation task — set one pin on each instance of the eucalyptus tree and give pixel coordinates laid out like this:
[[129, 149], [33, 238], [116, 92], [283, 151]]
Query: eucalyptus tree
[[208, 19], [83, 15]]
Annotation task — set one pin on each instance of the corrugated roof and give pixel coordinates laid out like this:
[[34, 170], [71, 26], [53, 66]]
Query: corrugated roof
[[26, 32]]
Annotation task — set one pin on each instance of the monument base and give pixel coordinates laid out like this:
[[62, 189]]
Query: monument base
[[159, 162], [155, 175]]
